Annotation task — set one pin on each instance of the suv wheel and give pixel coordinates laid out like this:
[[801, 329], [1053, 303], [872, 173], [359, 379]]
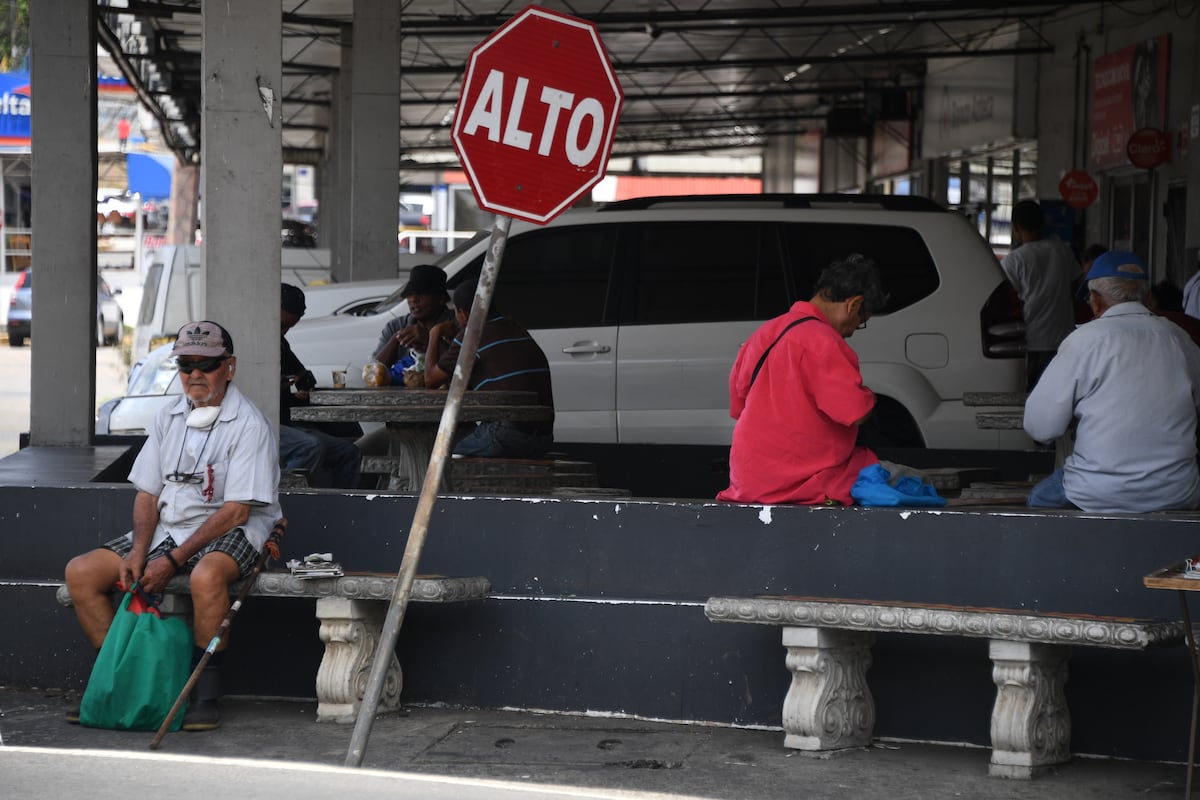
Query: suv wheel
[[890, 425]]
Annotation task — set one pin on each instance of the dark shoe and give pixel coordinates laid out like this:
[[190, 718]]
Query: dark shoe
[[72, 715], [203, 714]]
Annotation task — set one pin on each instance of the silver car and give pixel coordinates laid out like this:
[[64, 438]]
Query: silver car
[[110, 322]]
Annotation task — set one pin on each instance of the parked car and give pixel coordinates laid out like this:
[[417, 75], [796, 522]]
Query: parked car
[[641, 306], [354, 298], [297, 233], [110, 322], [153, 383]]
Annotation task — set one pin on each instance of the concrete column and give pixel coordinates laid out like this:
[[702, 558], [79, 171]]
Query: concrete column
[[185, 194], [63, 387], [1192, 235], [335, 211], [779, 164], [375, 135], [242, 156]]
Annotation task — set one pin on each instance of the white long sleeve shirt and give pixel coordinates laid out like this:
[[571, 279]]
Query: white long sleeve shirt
[[1132, 379]]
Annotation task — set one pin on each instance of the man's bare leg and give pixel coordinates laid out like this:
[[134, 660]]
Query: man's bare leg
[[210, 595], [90, 579]]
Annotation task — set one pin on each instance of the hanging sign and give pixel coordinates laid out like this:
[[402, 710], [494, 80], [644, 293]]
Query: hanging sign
[[1078, 189], [1148, 147]]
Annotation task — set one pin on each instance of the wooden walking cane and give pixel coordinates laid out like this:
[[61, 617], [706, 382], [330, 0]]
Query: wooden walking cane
[[270, 550]]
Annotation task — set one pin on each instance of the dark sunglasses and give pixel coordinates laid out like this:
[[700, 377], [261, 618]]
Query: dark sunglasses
[[205, 365]]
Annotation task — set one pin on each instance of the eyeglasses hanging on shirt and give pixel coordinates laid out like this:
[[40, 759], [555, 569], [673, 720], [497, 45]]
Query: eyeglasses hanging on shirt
[[197, 419]]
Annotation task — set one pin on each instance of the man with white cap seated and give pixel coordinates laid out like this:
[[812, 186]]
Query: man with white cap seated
[[207, 480], [1132, 380]]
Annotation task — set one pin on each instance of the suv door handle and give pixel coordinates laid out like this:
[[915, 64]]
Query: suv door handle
[[576, 349]]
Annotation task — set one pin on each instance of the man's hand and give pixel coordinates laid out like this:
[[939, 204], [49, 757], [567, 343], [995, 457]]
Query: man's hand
[[156, 575], [132, 568], [414, 335]]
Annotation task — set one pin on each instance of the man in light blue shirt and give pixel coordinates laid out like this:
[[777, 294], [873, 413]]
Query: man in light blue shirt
[[1132, 379]]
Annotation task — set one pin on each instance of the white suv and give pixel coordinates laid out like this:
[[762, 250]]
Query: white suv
[[641, 306]]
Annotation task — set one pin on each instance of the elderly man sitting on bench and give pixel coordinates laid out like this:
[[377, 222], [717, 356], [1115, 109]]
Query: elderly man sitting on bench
[[1132, 379]]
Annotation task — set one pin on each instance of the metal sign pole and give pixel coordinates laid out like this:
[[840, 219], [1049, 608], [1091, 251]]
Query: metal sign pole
[[429, 493]]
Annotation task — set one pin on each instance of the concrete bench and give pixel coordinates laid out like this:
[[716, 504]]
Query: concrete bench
[[829, 705], [351, 610]]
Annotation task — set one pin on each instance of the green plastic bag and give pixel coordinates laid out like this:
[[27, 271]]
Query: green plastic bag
[[142, 667]]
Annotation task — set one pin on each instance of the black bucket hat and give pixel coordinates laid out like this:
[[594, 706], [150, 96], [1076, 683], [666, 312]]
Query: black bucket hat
[[425, 279]]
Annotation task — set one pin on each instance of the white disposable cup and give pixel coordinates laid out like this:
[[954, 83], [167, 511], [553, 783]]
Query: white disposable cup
[[339, 379]]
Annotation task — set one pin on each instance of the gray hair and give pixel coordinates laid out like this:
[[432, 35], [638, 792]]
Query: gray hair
[[1119, 290]]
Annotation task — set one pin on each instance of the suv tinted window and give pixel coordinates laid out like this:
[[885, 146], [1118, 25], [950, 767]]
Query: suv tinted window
[[904, 262], [705, 271], [554, 278]]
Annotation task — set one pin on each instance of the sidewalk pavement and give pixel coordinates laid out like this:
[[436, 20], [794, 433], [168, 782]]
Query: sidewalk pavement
[[275, 748]]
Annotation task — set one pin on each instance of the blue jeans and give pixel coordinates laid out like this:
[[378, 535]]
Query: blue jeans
[[298, 450], [1049, 492], [501, 439], [329, 460]]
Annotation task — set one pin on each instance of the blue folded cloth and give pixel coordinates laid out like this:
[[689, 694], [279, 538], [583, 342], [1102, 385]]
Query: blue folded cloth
[[873, 489]]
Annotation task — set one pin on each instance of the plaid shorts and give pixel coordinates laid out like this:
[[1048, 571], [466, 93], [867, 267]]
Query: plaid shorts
[[235, 544]]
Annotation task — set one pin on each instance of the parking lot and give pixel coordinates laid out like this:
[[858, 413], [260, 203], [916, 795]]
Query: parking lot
[[111, 374]]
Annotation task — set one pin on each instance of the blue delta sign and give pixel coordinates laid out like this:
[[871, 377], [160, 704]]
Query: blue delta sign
[[15, 108], [16, 105]]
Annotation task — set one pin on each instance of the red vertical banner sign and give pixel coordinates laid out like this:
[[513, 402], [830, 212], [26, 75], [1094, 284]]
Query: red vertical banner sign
[[1129, 92]]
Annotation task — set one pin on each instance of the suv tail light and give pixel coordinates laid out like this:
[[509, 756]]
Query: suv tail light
[[1001, 326], [21, 278]]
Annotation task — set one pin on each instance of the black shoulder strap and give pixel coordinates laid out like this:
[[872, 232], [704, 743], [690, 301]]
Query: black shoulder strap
[[762, 359]]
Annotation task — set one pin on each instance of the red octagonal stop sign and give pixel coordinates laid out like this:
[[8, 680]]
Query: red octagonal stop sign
[[537, 115]]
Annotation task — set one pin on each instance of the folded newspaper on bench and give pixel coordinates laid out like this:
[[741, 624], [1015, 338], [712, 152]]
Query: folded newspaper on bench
[[1191, 567], [316, 565]]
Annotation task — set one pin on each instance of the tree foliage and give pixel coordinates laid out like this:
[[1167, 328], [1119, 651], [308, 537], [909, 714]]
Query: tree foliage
[[14, 35]]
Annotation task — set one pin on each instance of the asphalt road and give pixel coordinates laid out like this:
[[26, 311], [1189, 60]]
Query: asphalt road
[[111, 375]]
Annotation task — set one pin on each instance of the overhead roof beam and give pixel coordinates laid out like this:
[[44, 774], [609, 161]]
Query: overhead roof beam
[[108, 40], [777, 61]]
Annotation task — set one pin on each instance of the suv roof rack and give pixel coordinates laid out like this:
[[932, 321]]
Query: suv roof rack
[[888, 202]]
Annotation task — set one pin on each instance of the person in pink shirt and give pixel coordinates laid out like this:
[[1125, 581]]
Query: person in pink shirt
[[798, 397]]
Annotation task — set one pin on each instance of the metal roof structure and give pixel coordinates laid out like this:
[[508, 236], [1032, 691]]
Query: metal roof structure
[[700, 76]]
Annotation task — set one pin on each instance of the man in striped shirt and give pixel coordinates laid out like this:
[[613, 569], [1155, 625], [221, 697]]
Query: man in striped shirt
[[508, 359]]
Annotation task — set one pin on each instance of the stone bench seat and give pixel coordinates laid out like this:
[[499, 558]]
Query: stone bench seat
[[829, 704], [512, 476], [351, 610]]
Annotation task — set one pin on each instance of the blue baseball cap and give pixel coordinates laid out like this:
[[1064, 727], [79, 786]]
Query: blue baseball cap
[[1119, 264]]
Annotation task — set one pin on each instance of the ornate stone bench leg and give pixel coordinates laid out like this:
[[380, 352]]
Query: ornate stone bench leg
[[351, 630], [829, 705], [1031, 725]]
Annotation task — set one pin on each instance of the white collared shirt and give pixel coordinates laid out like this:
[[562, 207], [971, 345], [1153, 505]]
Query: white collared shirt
[[1132, 379], [237, 459]]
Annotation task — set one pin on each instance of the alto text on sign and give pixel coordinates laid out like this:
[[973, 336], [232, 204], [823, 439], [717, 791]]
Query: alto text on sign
[[537, 115]]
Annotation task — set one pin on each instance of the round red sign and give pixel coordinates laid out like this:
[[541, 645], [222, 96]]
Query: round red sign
[[1078, 189], [1148, 147], [537, 115]]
